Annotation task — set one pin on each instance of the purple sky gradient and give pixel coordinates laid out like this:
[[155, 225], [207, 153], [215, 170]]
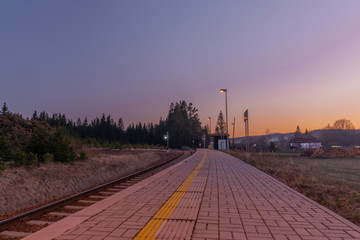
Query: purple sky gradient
[[288, 62]]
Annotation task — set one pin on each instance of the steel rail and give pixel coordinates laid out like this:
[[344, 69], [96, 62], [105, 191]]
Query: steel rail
[[6, 223]]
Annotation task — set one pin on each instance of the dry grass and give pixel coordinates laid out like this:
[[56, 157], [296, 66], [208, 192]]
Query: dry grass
[[333, 183], [23, 187]]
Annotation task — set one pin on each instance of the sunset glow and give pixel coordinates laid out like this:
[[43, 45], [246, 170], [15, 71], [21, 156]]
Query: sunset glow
[[289, 62]]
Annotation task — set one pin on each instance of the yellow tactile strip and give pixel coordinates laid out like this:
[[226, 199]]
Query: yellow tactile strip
[[163, 215], [175, 229]]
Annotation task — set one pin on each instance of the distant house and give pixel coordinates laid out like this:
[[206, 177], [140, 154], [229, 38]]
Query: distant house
[[304, 141]]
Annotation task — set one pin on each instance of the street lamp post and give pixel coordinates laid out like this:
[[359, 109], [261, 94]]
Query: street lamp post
[[227, 128], [167, 140], [210, 125]]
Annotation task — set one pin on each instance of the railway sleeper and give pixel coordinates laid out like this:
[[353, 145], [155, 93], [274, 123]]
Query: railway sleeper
[[87, 201], [39, 223], [113, 189], [133, 180], [97, 197], [14, 234], [59, 214], [74, 207], [119, 188], [106, 193]]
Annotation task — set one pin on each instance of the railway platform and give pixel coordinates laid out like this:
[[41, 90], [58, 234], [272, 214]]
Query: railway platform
[[210, 195]]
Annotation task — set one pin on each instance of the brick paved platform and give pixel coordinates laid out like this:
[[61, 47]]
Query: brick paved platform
[[210, 195]]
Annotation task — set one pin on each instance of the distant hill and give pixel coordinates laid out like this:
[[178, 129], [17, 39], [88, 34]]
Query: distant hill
[[328, 137], [274, 137]]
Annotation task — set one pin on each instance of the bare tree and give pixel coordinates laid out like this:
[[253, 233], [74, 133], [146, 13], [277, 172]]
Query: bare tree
[[267, 131], [343, 124], [334, 135]]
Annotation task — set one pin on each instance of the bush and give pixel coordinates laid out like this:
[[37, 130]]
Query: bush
[[82, 156], [5, 149], [32, 159], [61, 147], [273, 147], [39, 143], [186, 148], [19, 157], [3, 166], [91, 142], [48, 157], [127, 146]]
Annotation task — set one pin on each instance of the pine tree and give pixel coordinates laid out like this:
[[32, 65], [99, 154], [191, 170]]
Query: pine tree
[[5, 148], [220, 124], [35, 117], [121, 124], [61, 148], [298, 131], [85, 122], [43, 116], [4, 109], [78, 122], [183, 124], [39, 143]]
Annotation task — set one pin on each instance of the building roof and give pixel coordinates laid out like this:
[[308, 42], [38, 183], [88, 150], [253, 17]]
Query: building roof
[[304, 138]]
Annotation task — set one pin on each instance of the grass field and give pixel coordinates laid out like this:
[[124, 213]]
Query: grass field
[[280, 154], [334, 183], [341, 171]]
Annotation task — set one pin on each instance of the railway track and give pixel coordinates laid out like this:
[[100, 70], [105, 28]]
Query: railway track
[[26, 223]]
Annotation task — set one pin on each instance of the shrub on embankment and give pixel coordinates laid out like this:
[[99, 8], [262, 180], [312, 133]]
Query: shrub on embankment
[[29, 142]]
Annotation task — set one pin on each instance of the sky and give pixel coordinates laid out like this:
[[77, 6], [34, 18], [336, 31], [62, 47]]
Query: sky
[[289, 62]]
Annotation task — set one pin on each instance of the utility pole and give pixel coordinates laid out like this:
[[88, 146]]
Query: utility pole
[[233, 142], [246, 120], [210, 125], [227, 125]]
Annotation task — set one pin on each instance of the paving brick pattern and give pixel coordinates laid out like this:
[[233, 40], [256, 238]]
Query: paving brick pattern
[[228, 199], [241, 202], [126, 218]]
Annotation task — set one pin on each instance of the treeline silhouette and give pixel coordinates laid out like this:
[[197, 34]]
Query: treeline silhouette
[[106, 129], [182, 123], [57, 138]]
